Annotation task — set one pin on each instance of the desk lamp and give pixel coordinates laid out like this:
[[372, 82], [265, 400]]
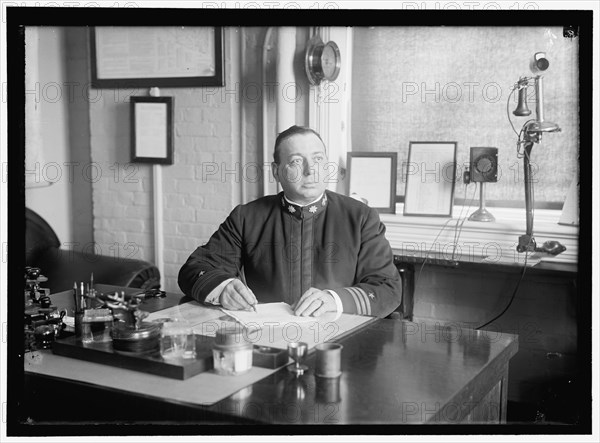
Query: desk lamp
[[531, 133]]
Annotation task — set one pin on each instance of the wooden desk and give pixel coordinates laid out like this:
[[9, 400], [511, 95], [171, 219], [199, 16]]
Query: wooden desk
[[395, 372]]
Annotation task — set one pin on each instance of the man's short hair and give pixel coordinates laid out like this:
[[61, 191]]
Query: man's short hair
[[289, 132]]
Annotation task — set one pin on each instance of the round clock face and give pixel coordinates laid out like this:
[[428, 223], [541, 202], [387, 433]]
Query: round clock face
[[330, 61], [322, 61]]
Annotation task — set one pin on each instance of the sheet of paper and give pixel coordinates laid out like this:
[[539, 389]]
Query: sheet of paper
[[151, 129], [275, 325], [267, 313]]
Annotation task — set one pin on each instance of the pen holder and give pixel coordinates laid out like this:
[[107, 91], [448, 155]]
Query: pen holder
[[78, 323], [329, 360]]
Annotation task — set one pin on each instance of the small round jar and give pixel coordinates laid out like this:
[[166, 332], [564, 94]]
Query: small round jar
[[232, 353]]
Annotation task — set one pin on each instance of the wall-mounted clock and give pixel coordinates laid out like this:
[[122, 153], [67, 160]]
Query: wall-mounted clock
[[322, 61]]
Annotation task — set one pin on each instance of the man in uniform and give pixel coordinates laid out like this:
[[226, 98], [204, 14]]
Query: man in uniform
[[314, 249]]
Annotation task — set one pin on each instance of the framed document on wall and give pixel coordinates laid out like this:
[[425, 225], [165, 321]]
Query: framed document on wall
[[372, 177], [430, 178], [147, 56], [152, 130]]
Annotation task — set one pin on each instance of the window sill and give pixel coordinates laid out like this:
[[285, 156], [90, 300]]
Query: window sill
[[492, 242]]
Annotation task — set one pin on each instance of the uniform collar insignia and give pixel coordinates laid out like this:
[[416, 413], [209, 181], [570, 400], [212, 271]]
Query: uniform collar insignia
[[304, 211]]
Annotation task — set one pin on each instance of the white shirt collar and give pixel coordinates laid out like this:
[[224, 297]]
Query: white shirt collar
[[298, 204]]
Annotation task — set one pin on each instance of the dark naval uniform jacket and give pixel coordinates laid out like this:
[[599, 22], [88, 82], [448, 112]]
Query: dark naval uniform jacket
[[336, 243]]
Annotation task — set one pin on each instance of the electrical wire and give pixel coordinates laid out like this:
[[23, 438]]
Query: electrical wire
[[431, 249], [512, 296], [440, 232], [457, 234]]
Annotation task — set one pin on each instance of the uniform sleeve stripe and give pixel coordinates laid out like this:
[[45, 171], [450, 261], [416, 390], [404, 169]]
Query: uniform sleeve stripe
[[360, 304], [366, 300]]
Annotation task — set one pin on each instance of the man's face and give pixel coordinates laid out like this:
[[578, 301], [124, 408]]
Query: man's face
[[301, 170]]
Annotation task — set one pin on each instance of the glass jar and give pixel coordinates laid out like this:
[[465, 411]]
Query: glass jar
[[232, 353], [96, 326], [177, 340]]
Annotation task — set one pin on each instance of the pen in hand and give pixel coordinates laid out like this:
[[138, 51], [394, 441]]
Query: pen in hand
[[243, 280]]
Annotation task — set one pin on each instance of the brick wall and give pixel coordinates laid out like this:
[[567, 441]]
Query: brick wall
[[196, 199]]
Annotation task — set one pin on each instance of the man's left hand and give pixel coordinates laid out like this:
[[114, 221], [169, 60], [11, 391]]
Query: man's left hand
[[315, 302]]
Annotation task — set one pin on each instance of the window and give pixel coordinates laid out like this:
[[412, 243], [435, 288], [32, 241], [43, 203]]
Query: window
[[452, 83]]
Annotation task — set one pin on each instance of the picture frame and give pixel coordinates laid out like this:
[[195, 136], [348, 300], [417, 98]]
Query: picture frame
[[156, 56], [372, 177], [430, 178], [152, 130]]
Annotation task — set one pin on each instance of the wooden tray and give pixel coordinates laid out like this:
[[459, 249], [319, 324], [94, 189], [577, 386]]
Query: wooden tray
[[152, 363]]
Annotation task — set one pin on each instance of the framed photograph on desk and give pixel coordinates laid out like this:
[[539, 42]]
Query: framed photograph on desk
[[430, 178], [372, 177], [152, 130], [155, 56]]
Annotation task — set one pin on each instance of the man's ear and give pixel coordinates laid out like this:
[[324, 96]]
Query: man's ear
[[275, 171]]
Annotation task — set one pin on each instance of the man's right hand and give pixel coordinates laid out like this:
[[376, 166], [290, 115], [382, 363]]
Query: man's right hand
[[236, 296]]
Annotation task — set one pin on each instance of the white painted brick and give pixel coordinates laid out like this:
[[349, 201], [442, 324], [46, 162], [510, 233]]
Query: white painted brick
[[174, 242], [211, 218], [170, 256], [209, 171], [141, 198], [212, 144], [191, 243], [192, 115], [185, 144], [130, 225], [215, 202], [139, 212], [116, 211], [189, 186], [194, 129], [196, 230], [173, 200], [197, 158], [221, 129], [189, 100], [183, 171], [125, 198], [169, 185], [172, 269], [180, 214], [170, 227], [217, 115], [131, 185], [182, 257], [194, 201]]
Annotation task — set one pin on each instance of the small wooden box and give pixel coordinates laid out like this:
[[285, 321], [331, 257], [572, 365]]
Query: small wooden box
[[270, 358]]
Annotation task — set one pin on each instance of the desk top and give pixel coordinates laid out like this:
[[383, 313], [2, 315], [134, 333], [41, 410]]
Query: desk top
[[393, 372]]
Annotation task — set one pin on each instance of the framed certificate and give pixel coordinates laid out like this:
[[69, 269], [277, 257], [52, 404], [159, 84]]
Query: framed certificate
[[372, 178], [148, 56], [430, 178], [152, 130]]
